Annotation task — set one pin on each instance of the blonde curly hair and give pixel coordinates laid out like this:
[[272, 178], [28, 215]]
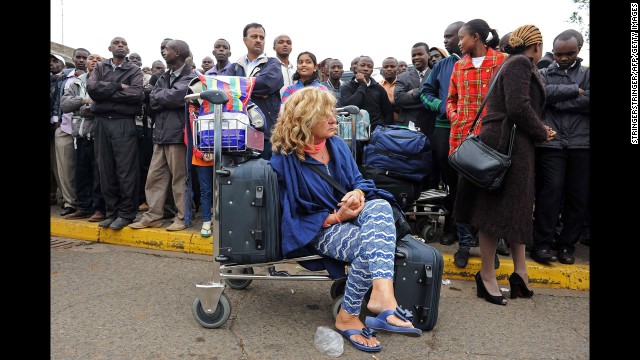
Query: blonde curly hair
[[302, 111]]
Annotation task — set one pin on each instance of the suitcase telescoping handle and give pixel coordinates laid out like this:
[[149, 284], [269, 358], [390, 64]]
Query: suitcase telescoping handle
[[213, 96]]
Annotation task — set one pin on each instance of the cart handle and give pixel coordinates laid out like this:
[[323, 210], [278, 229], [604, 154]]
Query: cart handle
[[350, 109], [213, 96]]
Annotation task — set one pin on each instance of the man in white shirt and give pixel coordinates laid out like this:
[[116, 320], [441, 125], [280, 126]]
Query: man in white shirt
[[282, 47]]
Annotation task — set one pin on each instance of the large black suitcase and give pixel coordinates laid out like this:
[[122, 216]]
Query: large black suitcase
[[405, 192], [250, 213], [418, 277]]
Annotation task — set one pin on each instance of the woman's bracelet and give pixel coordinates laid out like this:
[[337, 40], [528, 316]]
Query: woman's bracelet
[[360, 191], [335, 213]]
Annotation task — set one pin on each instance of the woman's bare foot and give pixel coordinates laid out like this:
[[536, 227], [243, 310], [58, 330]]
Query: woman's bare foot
[[382, 299], [344, 321]]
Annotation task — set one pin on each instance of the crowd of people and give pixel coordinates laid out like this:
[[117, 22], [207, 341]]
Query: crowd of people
[[118, 148]]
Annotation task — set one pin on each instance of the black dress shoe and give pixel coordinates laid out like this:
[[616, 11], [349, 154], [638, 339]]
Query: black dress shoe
[[566, 257], [119, 223], [67, 211], [447, 239], [481, 291], [542, 256], [503, 249], [461, 258], [106, 222]]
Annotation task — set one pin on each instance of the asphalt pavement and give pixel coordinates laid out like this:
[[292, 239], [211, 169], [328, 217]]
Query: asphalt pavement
[[128, 302]]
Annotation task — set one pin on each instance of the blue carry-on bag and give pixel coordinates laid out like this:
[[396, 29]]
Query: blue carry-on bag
[[406, 153]]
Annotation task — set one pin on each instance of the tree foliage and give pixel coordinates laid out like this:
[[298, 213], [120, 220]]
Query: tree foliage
[[580, 17]]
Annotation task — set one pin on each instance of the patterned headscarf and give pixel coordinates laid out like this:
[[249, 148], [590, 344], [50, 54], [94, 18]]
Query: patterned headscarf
[[525, 35]]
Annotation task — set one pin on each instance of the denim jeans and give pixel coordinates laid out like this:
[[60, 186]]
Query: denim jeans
[[205, 178], [465, 238]]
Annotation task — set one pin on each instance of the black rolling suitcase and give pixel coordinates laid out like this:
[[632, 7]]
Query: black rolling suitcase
[[405, 192], [418, 277], [250, 213]]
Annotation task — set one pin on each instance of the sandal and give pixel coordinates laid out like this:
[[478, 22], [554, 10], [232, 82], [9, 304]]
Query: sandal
[[380, 322], [205, 231]]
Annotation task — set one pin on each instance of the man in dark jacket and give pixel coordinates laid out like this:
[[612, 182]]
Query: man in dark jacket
[[266, 70], [562, 164], [115, 85], [407, 93], [168, 164], [364, 92]]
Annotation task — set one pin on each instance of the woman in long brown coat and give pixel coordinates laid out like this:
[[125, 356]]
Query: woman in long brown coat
[[517, 98]]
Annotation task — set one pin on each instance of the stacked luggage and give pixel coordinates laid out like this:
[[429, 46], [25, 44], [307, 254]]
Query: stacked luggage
[[398, 160]]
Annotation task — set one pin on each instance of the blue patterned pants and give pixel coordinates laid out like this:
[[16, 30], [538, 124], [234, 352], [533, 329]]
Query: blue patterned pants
[[368, 242]]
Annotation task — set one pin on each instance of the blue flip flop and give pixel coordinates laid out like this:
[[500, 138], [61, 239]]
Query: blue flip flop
[[367, 333], [380, 322]]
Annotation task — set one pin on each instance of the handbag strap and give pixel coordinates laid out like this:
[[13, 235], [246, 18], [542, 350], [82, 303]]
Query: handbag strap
[[513, 132], [484, 101], [327, 178]]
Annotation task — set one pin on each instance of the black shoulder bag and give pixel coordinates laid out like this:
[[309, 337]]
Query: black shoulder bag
[[402, 226], [476, 161]]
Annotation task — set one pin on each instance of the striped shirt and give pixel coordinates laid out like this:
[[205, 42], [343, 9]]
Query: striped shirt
[[467, 88]]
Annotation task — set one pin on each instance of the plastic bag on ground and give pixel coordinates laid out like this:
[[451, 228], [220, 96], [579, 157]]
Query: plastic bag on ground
[[328, 341]]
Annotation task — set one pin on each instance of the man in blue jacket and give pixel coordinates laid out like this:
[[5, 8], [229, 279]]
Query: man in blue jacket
[[434, 97], [266, 70]]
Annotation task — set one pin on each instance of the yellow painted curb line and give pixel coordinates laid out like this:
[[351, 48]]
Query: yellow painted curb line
[[151, 238], [555, 275]]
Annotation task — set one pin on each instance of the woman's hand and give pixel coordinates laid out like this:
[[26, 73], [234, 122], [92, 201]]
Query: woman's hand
[[550, 133], [347, 209], [357, 195]]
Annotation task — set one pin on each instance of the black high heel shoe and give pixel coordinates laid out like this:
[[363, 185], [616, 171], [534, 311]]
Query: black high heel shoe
[[482, 292], [518, 287]]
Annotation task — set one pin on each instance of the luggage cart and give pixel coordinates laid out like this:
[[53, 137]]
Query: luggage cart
[[427, 210], [211, 307]]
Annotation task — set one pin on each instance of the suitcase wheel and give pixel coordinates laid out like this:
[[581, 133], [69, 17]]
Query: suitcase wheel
[[337, 288], [337, 305]]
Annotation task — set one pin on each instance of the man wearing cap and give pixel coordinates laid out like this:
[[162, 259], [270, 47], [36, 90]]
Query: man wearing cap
[[58, 72], [116, 87], [64, 145], [436, 54]]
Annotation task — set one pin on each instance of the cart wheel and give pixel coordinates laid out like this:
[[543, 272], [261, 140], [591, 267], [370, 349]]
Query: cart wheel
[[337, 305], [239, 284], [212, 321], [429, 233], [337, 288]]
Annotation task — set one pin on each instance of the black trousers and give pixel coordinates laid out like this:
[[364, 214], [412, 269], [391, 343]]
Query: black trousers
[[440, 153], [87, 178], [562, 180], [145, 151], [116, 149]]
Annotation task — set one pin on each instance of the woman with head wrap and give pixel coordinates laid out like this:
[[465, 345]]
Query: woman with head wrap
[[517, 98]]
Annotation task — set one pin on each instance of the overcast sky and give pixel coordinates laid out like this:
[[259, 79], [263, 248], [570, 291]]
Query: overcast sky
[[340, 29]]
